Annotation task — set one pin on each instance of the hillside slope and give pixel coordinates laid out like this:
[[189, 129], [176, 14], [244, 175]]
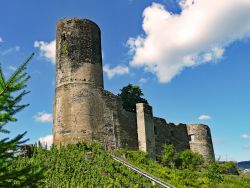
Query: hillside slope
[[81, 166], [88, 165]]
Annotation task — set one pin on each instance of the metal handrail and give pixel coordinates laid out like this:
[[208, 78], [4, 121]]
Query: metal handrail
[[143, 173]]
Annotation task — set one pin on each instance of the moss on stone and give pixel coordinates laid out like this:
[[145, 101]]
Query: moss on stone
[[64, 48]]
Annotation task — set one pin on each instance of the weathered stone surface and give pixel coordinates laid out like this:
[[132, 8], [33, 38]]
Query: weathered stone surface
[[200, 140], [84, 111], [78, 107], [170, 134], [145, 129], [78, 52]]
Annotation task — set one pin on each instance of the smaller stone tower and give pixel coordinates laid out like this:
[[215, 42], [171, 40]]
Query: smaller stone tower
[[200, 140], [145, 129]]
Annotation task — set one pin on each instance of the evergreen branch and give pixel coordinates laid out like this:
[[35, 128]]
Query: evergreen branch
[[14, 76], [2, 79]]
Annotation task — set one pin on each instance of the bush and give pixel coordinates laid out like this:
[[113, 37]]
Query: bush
[[168, 156], [228, 168], [189, 160], [184, 160], [213, 173]]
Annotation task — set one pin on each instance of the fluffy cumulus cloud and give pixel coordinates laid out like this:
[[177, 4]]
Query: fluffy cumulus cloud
[[204, 117], [118, 70], [43, 117], [47, 49], [199, 34], [46, 140], [245, 136]]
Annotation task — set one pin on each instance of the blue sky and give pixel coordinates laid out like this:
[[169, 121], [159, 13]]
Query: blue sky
[[191, 59]]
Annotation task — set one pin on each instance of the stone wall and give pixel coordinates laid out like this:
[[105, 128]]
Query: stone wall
[[170, 134], [124, 122], [93, 114]]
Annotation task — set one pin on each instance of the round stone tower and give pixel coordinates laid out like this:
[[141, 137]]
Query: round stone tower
[[78, 52], [78, 73], [200, 140]]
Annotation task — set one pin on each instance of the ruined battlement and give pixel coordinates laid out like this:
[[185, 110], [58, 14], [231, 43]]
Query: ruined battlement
[[85, 111]]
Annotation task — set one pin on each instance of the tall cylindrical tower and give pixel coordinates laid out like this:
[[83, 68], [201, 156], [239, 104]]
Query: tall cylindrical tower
[[78, 73], [78, 52], [200, 140]]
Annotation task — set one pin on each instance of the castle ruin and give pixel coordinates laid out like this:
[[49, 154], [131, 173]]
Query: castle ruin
[[85, 111]]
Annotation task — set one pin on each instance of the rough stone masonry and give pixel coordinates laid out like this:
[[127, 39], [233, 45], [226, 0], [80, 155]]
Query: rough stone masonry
[[84, 111]]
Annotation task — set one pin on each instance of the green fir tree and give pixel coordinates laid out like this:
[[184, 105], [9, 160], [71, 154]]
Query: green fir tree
[[11, 93]]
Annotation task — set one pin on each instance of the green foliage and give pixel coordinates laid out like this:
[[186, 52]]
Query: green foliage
[[185, 176], [184, 160], [131, 95], [213, 173], [168, 155], [228, 168], [11, 93], [81, 165], [189, 160], [235, 181], [87, 165], [180, 178], [142, 160], [9, 104]]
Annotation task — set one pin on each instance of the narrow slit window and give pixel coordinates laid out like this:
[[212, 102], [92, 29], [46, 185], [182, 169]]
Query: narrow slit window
[[63, 37], [155, 129], [192, 138]]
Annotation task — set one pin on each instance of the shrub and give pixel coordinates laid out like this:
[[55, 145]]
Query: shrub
[[168, 155], [213, 172], [189, 160]]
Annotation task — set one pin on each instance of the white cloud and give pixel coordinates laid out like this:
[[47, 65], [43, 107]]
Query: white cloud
[[43, 117], [1, 39], [46, 140], [16, 48], [47, 49], [118, 70], [199, 34], [204, 117], [245, 136], [12, 68], [143, 80]]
